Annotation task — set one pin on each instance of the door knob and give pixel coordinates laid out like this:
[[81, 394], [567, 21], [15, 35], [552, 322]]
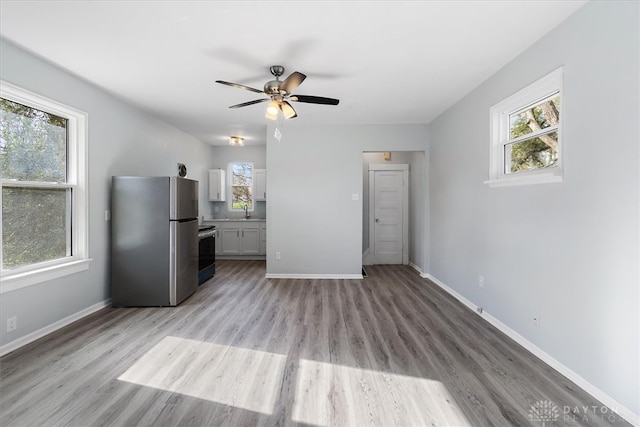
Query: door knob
[[377, 220]]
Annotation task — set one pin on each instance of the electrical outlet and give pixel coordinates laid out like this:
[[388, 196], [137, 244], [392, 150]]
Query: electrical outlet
[[277, 255], [216, 209], [479, 310], [12, 323], [107, 215], [481, 281]]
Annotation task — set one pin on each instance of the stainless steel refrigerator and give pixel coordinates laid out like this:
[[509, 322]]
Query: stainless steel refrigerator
[[154, 240]]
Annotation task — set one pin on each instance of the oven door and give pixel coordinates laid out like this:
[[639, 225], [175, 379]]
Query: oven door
[[207, 255]]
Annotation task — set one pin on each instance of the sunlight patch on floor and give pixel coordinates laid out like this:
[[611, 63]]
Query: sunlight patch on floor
[[328, 394], [239, 377]]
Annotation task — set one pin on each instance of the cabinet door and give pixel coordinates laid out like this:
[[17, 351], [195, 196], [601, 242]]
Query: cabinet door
[[263, 239], [231, 241], [251, 241], [218, 238], [216, 185], [260, 184]]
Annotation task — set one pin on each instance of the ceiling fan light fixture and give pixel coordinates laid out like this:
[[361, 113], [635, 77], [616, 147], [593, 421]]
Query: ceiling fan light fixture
[[272, 110], [279, 94], [287, 110], [236, 141]]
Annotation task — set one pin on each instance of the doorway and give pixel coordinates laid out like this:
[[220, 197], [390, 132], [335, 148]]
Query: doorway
[[389, 214]]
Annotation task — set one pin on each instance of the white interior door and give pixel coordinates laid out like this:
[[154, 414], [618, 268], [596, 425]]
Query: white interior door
[[388, 216]]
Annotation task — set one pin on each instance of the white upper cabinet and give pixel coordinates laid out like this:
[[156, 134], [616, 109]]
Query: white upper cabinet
[[260, 185], [217, 185]]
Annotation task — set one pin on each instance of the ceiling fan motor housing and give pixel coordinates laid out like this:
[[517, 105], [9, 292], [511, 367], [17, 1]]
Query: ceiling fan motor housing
[[272, 87]]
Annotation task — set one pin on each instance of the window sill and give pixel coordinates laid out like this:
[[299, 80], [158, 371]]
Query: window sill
[[28, 278], [546, 178]]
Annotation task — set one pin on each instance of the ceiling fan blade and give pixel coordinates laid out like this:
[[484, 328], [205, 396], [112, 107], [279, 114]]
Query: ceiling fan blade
[[239, 86], [244, 104], [314, 99], [292, 82], [287, 110]]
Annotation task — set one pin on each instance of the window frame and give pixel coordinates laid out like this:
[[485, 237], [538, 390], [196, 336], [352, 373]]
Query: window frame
[[230, 189], [499, 114], [76, 182]]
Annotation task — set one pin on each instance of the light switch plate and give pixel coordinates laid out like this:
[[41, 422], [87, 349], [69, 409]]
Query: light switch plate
[[355, 196]]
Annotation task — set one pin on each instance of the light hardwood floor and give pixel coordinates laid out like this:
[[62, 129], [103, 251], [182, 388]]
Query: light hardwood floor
[[390, 350]]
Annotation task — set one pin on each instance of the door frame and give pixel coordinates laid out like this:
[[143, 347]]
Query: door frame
[[405, 207]]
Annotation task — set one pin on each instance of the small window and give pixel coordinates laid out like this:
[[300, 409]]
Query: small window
[[43, 165], [525, 135], [241, 186]]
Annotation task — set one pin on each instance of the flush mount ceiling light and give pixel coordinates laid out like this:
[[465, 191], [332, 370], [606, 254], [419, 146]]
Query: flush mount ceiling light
[[236, 141], [279, 94]]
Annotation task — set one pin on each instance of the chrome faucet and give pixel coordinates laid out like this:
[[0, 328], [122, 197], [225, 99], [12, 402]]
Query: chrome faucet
[[246, 211]]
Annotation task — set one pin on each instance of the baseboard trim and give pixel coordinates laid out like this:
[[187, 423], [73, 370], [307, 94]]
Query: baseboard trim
[[417, 268], [29, 338], [313, 276], [584, 384]]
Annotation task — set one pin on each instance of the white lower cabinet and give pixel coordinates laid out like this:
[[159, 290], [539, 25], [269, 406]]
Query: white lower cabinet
[[263, 239], [240, 238], [250, 239], [230, 240]]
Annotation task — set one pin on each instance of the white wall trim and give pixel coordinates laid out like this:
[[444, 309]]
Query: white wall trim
[[594, 391], [313, 276], [44, 274], [367, 258], [388, 166], [417, 268], [29, 338]]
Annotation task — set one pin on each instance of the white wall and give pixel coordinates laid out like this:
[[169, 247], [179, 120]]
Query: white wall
[[313, 173], [221, 157], [567, 252], [122, 141]]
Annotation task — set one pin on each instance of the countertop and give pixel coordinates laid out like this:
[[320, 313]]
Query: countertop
[[211, 219]]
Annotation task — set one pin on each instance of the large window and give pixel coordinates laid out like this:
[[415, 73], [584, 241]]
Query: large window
[[525, 134], [241, 186], [42, 161]]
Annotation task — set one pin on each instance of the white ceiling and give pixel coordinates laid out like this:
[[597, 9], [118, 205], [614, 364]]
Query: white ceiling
[[387, 61]]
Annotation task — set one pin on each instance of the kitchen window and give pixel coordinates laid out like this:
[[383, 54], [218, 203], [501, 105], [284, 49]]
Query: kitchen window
[[241, 186], [44, 201], [526, 135]]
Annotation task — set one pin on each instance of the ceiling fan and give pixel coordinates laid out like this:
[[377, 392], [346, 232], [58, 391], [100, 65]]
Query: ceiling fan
[[279, 94]]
